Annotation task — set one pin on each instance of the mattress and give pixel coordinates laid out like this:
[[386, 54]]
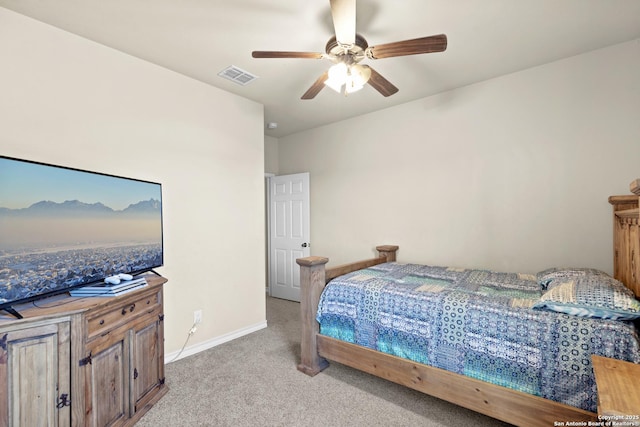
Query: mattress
[[477, 323]]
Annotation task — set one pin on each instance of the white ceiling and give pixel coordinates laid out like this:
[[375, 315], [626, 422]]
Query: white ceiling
[[199, 38]]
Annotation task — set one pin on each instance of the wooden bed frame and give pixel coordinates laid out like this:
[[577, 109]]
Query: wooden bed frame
[[499, 402]]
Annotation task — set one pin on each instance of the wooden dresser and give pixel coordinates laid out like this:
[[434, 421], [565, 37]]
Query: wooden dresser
[[83, 361]]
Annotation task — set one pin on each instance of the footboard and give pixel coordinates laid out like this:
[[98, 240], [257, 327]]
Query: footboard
[[313, 278]]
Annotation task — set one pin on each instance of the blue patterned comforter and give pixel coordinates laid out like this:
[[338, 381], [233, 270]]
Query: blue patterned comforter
[[477, 323]]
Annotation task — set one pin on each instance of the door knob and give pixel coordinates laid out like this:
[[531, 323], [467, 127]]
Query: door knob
[[304, 245]]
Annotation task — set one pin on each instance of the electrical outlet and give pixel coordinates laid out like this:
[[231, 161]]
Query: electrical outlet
[[197, 317]]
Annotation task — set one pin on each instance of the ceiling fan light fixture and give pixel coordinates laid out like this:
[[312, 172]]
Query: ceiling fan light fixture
[[352, 77], [357, 77], [337, 76]]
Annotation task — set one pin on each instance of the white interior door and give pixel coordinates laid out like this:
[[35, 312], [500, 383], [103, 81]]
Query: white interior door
[[289, 226]]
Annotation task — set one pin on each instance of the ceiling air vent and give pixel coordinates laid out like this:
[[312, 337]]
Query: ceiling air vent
[[237, 75]]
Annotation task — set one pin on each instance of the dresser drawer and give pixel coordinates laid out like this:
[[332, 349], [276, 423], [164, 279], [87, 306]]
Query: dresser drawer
[[120, 314]]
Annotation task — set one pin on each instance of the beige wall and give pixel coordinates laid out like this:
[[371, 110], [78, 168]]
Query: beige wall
[[68, 101], [511, 174], [271, 155]]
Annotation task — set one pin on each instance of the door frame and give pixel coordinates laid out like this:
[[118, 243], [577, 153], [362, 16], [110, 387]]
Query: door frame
[[267, 249]]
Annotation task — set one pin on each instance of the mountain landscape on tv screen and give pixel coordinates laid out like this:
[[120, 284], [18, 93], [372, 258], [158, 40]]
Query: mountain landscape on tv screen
[[53, 224], [47, 208]]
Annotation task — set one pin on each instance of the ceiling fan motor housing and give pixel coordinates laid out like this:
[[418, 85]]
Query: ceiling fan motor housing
[[355, 51]]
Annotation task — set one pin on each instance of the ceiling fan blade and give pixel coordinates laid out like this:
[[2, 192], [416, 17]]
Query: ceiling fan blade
[[427, 44], [343, 13], [316, 87], [276, 54], [382, 85]]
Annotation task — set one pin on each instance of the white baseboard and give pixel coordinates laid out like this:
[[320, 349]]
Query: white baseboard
[[205, 345]]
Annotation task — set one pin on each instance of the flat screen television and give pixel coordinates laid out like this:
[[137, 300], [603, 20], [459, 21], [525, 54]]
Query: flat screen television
[[63, 228]]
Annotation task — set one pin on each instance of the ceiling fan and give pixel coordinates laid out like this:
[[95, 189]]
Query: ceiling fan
[[347, 49]]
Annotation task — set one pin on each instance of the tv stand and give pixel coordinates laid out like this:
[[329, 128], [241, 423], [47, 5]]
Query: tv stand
[[83, 361]]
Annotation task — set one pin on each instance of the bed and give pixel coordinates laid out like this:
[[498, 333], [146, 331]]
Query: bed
[[511, 346]]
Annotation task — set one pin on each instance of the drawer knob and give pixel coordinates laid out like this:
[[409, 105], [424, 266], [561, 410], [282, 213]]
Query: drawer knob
[[102, 321], [133, 307], [124, 311]]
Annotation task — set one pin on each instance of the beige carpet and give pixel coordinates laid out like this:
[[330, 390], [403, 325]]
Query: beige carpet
[[253, 381]]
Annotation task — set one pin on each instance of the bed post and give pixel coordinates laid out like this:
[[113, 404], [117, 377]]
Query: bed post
[[312, 281], [388, 251]]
